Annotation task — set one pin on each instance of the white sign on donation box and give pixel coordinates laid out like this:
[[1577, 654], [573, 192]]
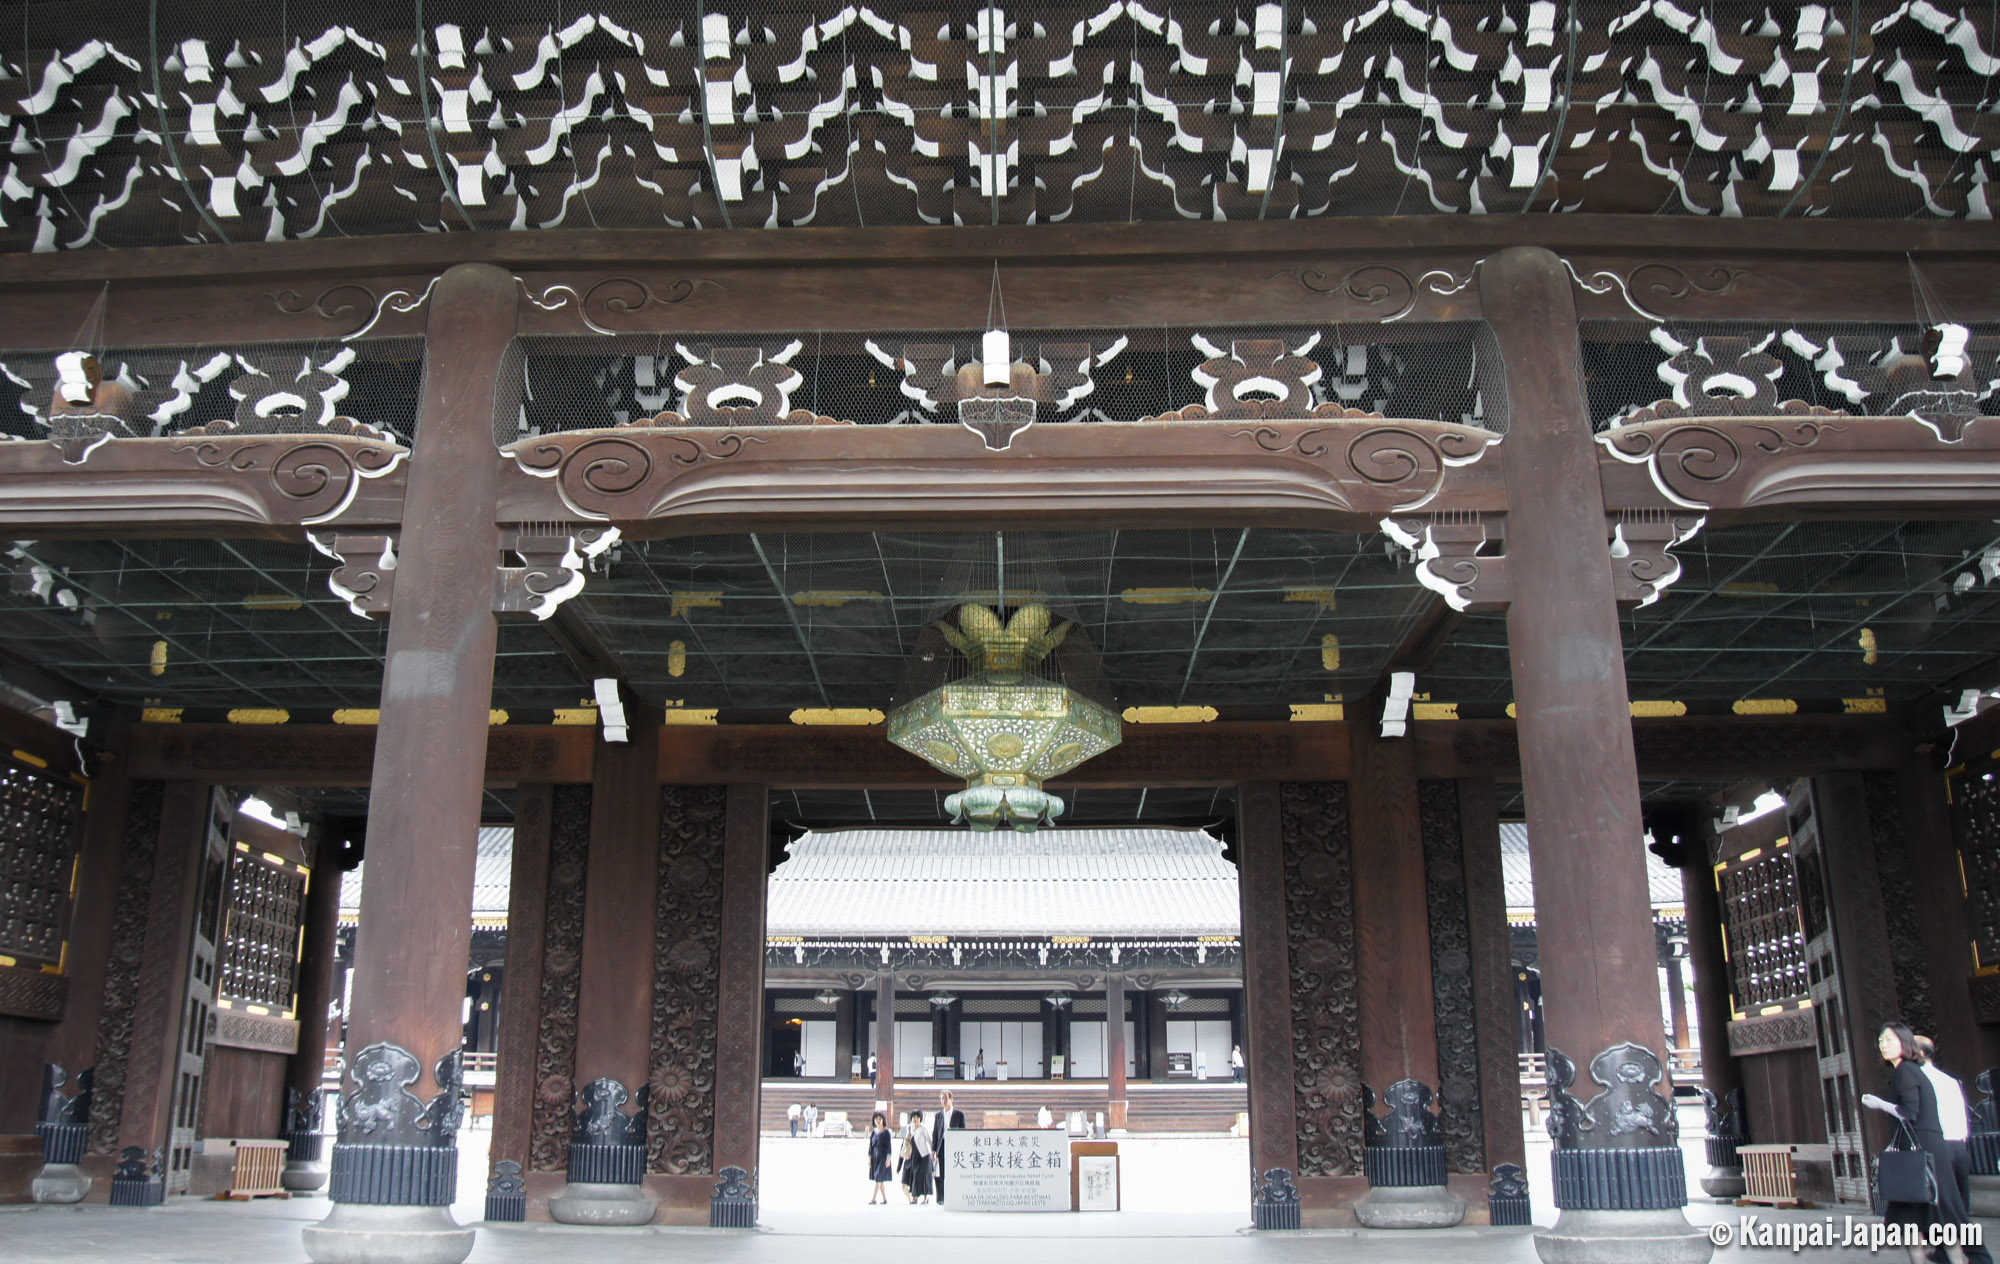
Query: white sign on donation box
[[1007, 1169]]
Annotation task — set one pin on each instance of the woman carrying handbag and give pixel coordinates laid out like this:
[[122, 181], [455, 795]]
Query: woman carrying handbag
[[1914, 1172]]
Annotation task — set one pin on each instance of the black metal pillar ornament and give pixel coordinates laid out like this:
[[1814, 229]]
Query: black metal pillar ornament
[[62, 1125], [1985, 1139], [1276, 1202], [304, 1114], [609, 1146], [395, 1150], [139, 1180], [734, 1203], [1404, 1147], [1620, 1151], [1507, 1196], [1727, 1129], [506, 1193]]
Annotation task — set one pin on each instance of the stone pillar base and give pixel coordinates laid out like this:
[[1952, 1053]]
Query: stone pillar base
[[1986, 1196], [1409, 1207], [60, 1183], [1624, 1237], [1724, 1182], [302, 1177], [585, 1203], [365, 1233]]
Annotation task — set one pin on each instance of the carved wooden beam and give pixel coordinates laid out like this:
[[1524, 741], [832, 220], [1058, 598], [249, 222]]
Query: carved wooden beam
[[1344, 473]]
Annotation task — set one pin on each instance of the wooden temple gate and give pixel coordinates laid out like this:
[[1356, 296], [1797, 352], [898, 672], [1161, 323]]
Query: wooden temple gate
[[1375, 943]]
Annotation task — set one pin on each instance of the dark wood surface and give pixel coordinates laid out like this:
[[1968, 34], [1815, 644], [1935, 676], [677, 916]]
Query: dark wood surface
[[243, 1093], [1267, 980], [1781, 1096], [520, 1012], [1493, 996], [316, 996], [146, 1117], [428, 782], [1721, 1074], [1593, 912], [1861, 936], [1392, 945], [99, 867], [615, 1001], [1965, 1046]]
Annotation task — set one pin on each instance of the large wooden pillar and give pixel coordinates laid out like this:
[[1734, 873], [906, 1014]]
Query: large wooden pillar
[[885, 1044], [1721, 1075], [395, 1173], [739, 1062], [521, 1004], [1404, 1153], [1495, 1010], [307, 1065], [1966, 1046], [607, 1151], [1267, 1006], [1593, 912]]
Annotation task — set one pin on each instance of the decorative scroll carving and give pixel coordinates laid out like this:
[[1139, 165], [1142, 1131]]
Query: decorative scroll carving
[[1378, 284], [1900, 904], [128, 952], [1448, 547], [1651, 286], [687, 960], [1642, 541], [1628, 1114], [1461, 1111], [594, 477], [551, 570], [1326, 1026], [366, 576], [616, 296], [267, 1033], [562, 962], [348, 302], [312, 482], [1691, 463], [1402, 459]]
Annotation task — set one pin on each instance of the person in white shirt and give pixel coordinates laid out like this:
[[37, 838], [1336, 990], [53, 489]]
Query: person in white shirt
[[795, 1113], [1955, 1122], [1236, 1062]]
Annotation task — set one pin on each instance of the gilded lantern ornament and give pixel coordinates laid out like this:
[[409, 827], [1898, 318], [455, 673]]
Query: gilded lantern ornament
[[1004, 726]]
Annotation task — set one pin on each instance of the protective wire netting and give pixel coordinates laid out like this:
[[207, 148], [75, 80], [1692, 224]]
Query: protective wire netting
[[168, 121], [1868, 369], [1447, 371], [222, 624], [1810, 612], [1253, 618], [172, 389]]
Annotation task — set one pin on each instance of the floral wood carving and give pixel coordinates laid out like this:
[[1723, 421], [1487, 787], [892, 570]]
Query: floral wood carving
[[562, 974], [1900, 904], [1460, 1110], [127, 955], [687, 958], [1326, 1024]]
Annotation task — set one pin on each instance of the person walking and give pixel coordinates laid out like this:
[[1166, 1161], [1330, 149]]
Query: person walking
[[794, 1113], [1955, 1122], [880, 1142], [871, 1070], [948, 1118], [1236, 1062], [1915, 1103], [799, 1065], [979, 1065], [916, 1161], [812, 1119]]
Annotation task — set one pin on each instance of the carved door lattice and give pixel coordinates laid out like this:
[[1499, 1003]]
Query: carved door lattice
[[1840, 1094], [1975, 827], [260, 935], [1767, 947], [39, 819]]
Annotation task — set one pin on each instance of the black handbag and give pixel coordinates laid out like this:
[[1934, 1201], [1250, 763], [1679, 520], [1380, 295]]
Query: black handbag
[[1905, 1175]]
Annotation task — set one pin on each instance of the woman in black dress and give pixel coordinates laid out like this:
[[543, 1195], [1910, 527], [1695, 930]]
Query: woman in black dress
[[1915, 1102], [880, 1142]]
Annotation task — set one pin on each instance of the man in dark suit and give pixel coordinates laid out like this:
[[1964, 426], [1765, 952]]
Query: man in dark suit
[[949, 1118]]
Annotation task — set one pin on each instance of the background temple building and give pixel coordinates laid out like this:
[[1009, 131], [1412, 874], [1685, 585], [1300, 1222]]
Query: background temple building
[[1304, 439]]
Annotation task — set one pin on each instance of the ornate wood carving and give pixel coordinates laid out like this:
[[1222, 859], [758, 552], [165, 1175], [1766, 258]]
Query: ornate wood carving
[[687, 951], [1343, 473], [1326, 1024], [1975, 827], [562, 977], [41, 820], [1768, 1033], [121, 972], [1900, 906], [26, 993], [265, 1033], [1459, 1099]]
